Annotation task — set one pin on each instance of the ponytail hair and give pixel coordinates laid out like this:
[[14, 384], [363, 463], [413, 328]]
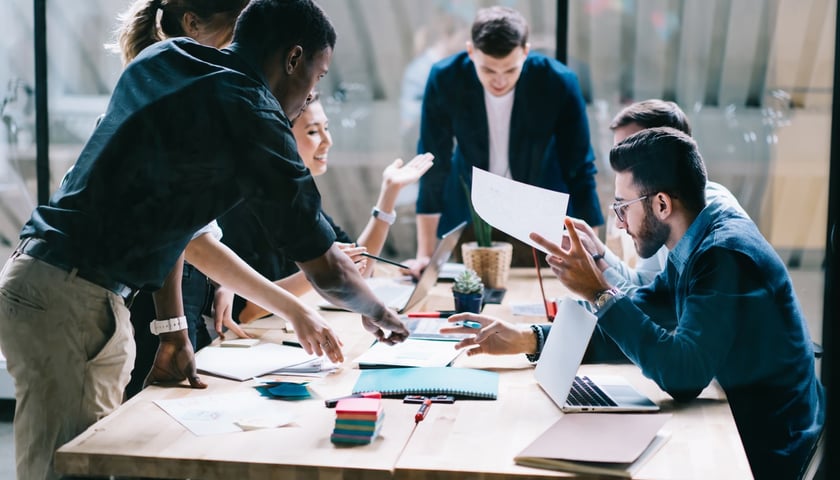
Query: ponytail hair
[[140, 26]]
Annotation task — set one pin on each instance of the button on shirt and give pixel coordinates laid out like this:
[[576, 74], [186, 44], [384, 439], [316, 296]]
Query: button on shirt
[[190, 132], [725, 308]]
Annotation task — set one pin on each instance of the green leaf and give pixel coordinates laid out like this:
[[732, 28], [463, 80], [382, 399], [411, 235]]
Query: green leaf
[[483, 230]]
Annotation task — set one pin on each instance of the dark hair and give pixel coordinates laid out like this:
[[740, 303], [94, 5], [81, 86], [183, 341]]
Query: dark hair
[[652, 113], [663, 159], [139, 26], [496, 31], [268, 25], [316, 97]]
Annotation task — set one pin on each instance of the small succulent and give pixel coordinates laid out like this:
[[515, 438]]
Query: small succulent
[[468, 282]]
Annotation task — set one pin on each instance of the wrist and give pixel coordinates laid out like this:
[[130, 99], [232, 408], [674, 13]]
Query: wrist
[[535, 342], [388, 217], [168, 325]]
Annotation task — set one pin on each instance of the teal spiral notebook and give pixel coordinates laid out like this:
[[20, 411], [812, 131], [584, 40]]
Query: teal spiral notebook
[[464, 383]]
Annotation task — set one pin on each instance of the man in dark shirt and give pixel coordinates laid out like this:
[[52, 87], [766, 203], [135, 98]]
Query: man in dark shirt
[[190, 132]]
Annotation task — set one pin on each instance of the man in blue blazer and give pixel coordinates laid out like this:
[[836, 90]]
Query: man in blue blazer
[[500, 108]]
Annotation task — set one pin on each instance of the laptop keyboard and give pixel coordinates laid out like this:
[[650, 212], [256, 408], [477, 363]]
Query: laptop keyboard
[[585, 393]]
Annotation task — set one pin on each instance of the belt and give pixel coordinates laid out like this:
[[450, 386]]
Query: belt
[[40, 249]]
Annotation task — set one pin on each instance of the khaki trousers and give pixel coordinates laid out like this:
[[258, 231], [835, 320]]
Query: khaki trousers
[[69, 348]]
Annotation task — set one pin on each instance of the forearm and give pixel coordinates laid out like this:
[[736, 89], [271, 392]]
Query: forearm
[[336, 278], [168, 299], [221, 264], [376, 231], [427, 225]]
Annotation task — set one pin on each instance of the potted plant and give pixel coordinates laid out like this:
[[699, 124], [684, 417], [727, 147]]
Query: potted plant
[[468, 292], [491, 260]]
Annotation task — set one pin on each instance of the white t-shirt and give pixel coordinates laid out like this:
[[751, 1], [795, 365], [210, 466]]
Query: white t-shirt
[[498, 125]]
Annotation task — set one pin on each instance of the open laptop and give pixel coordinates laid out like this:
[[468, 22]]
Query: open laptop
[[401, 296], [557, 368]]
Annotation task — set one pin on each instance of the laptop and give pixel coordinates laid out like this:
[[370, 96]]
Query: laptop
[[401, 296], [556, 371]]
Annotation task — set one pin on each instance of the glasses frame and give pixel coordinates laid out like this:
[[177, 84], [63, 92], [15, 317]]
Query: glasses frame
[[620, 207]]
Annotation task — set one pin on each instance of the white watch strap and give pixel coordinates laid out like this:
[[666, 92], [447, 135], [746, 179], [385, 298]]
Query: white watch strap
[[386, 217], [174, 324]]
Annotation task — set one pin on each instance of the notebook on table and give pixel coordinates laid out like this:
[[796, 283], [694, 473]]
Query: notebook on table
[[401, 296], [464, 383], [557, 368]]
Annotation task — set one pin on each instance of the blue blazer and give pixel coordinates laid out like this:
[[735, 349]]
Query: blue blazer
[[549, 137]]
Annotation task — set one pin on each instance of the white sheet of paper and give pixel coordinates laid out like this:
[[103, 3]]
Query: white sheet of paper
[[226, 413], [244, 363], [410, 353], [517, 208]]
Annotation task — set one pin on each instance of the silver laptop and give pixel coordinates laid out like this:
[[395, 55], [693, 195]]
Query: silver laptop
[[401, 296], [560, 359]]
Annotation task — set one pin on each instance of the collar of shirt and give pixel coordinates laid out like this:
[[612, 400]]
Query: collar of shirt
[[693, 236], [249, 60]]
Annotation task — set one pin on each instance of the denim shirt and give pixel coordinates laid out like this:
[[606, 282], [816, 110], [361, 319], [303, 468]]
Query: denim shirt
[[725, 309]]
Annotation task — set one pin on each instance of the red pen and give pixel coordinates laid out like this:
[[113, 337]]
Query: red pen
[[441, 314], [423, 410]]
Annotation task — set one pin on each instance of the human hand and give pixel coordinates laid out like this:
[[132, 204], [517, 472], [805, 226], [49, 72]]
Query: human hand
[[496, 337], [316, 336], [223, 313], [397, 175], [355, 254], [388, 321], [174, 361], [415, 266], [573, 266], [588, 238]]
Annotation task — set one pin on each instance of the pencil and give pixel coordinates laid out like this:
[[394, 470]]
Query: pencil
[[369, 255]]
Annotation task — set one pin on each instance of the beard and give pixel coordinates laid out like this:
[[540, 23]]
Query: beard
[[652, 234]]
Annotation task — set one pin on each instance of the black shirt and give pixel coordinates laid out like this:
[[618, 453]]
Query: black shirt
[[189, 133]]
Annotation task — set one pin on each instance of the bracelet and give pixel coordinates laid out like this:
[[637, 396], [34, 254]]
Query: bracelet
[[174, 324], [538, 331], [388, 218]]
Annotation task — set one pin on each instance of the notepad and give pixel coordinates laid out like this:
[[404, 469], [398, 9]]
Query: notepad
[[612, 444], [464, 383]]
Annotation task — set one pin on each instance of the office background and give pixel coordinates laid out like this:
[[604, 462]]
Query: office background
[[754, 76]]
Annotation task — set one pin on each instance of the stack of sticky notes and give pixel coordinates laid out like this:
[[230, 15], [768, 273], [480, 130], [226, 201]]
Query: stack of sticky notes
[[357, 420]]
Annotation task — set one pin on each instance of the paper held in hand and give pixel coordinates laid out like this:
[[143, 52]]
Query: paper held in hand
[[517, 208]]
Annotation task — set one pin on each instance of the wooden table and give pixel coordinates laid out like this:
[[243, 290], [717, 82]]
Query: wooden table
[[475, 439]]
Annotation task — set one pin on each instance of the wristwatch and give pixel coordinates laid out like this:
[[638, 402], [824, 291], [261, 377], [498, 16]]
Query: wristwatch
[[602, 297], [169, 325], [388, 218]]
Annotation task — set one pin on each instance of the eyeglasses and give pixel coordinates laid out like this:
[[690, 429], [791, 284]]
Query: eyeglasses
[[620, 207]]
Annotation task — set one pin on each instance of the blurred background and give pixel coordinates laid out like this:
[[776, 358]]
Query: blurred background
[[754, 76]]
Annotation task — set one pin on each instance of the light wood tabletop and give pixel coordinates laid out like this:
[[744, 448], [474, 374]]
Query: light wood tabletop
[[467, 439]]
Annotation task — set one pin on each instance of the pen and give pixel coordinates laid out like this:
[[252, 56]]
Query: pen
[[331, 403], [440, 314], [370, 255], [423, 410]]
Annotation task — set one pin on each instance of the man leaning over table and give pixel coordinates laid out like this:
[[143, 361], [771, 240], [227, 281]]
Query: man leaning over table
[[190, 132], [726, 292]]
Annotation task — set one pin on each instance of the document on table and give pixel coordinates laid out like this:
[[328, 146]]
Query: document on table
[[517, 208], [410, 353], [244, 363], [226, 413]]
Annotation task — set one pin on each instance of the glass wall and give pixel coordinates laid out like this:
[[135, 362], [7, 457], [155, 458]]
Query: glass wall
[[755, 79], [754, 76]]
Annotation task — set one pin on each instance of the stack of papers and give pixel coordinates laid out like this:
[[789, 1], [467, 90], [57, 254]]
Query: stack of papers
[[357, 420], [317, 367], [245, 363]]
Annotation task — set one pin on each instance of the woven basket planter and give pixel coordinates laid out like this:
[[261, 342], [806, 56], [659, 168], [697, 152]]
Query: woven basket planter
[[492, 263]]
